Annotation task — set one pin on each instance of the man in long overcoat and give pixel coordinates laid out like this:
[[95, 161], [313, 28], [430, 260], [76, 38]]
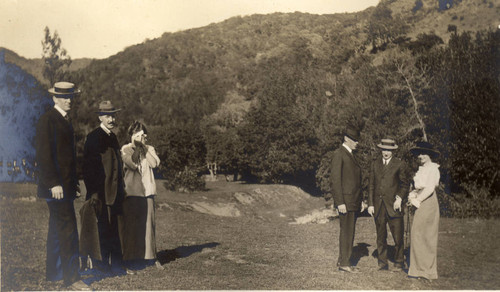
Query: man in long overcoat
[[387, 189], [347, 196], [103, 177], [58, 185]]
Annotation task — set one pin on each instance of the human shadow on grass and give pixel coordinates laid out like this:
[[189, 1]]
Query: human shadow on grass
[[165, 256], [359, 251], [170, 255]]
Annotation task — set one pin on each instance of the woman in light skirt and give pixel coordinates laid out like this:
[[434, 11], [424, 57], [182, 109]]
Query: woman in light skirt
[[424, 230]]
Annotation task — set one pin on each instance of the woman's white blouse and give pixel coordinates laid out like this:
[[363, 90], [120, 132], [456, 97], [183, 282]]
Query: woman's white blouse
[[426, 180]]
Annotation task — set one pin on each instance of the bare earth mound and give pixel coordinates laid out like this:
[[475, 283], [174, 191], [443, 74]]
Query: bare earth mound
[[264, 202]]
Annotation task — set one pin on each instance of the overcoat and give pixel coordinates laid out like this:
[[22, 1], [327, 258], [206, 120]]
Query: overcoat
[[346, 180], [103, 167], [385, 183], [55, 155]]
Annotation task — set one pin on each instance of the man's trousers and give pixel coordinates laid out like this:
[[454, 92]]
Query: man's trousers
[[63, 261], [346, 237], [396, 225]]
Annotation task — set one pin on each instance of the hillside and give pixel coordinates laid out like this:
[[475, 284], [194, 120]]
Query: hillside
[[267, 96], [181, 77], [34, 67], [430, 17]]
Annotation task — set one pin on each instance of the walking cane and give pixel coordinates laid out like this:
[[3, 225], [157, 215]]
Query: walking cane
[[407, 235]]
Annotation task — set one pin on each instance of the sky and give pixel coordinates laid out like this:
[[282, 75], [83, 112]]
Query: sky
[[101, 28]]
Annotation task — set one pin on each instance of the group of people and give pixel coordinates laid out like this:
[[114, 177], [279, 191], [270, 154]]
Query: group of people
[[388, 188], [118, 218]]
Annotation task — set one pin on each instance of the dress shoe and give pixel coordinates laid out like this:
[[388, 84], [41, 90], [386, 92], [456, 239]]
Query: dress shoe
[[159, 266], [79, 286], [383, 268], [130, 272], [424, 279], [348, 269], [397, 269]]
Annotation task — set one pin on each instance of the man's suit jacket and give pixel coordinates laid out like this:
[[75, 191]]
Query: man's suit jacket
[[103, 167], [346, 180], [55, 155], [385, 183]]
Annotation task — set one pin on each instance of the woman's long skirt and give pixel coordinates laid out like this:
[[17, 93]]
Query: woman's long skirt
[[138, 236], [424, 239]]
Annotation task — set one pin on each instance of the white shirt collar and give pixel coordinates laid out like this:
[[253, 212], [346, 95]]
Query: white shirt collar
[[388, 160], [347, 147], [108, 131], [60, 110]]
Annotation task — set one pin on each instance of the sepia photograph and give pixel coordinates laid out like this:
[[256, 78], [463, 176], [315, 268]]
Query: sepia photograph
[[163, 145]]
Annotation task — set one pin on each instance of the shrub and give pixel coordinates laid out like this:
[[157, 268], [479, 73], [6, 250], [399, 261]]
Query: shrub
[[186, 180], [444, 199], [475, 203]]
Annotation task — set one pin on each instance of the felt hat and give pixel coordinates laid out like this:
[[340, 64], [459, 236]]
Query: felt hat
[[106, 108], [352, 133]]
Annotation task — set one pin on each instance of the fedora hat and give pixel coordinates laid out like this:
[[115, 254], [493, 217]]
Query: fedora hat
[[424, 148], [106, 108], [387, 144], [352, 133], [64, 89]]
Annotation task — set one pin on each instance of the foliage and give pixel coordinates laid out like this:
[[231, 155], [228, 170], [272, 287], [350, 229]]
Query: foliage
[[186, 180], [466, 82], [55, 58], [278, 135], [182, 153], [383, 28], [270, 95], [475, 202], [220, 132], [22, 101]]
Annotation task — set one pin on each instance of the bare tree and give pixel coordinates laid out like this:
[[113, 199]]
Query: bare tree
[[415, 81]]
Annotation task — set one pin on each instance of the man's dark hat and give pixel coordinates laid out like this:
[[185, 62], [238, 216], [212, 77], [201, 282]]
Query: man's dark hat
[[424, 148], [64, 89], [387, 144], [352, 133], [106, 108]]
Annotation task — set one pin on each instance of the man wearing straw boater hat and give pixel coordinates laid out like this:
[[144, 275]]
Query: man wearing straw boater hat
[[58, 185], [102, 174], [387, 189]]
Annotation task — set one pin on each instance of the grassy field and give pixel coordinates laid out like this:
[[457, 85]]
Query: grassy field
[[250, 246]]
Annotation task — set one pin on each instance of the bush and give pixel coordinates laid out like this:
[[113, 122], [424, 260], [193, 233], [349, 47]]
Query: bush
[[186, 180], [444, 199], [475, 203]]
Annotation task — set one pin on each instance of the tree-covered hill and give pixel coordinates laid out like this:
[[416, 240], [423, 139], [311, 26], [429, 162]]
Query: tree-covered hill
[[34, 67], [268, 96]]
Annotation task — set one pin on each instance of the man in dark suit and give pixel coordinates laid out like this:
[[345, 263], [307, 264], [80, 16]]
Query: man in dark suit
[[58, 185], [347, 197], [102, 174], [387, 189]]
